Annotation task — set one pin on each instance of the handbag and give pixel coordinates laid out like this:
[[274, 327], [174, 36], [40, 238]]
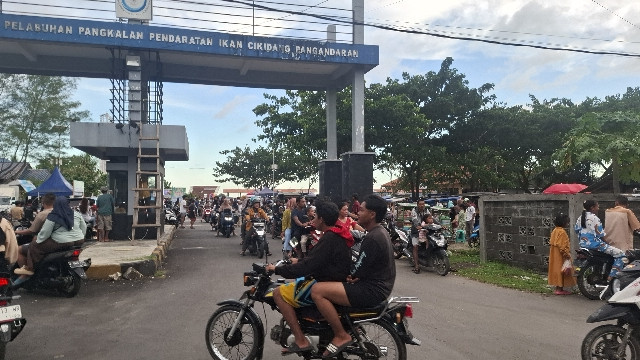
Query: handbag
[[567, 267]]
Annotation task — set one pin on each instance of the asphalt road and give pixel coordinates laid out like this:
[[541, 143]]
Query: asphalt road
[[165, 318]]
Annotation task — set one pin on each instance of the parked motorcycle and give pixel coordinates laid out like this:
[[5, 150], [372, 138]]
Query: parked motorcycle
[[170, 218], [474, 238], [592, 268], [277, 225], [257, 238], [235, 331], [435, 255], [11, 320], [620, 340], [62, 271], [226, 223], [399, 238]]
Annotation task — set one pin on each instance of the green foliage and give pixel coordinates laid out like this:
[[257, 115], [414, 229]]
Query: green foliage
[[81, 168], [35, 115]]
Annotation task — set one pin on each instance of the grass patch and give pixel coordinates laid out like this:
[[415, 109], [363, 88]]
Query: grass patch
[[160, 274], [467, 264]]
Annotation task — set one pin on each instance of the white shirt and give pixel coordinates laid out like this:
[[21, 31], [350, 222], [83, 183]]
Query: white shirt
[[469, 213], [183, 206]]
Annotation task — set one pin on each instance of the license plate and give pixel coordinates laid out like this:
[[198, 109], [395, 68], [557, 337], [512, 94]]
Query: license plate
[[77, 264], [10, 313]]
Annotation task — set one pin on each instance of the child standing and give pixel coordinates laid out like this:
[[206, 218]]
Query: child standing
[[559, 253]]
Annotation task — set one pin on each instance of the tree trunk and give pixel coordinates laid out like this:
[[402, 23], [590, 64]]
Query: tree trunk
[[615, 174]]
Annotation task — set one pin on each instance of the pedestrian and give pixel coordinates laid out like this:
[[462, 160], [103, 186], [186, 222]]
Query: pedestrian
[[17, 213], [470, 219], [183, 210], [355, 206], [621, 222], [417, 214], [560, 272], [106, 207], [192, 211], [591, 234], [286, 227]]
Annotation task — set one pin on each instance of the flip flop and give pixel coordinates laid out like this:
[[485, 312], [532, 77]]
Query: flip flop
[[333, 351], [416, 270], [295, 349]]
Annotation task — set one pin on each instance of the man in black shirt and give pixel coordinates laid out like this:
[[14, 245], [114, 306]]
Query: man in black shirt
[[330, 260], [372, 276]]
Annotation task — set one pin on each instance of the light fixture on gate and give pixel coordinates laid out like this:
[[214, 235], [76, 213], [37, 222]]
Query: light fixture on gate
[[133, 61]]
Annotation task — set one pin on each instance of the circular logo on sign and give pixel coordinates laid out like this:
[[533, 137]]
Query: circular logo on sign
[[134, 5]]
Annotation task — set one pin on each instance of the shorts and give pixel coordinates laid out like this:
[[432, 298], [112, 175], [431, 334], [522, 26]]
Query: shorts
[[297, 293], [363, 295], [103, 222], [415, 241]]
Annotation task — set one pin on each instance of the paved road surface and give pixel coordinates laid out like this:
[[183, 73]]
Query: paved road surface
[[164, 318]]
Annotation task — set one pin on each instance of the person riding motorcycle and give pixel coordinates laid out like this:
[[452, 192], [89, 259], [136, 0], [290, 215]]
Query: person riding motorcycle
[[254, 212]]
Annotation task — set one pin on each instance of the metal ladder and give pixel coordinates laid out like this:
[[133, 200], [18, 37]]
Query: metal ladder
[[141, 175]]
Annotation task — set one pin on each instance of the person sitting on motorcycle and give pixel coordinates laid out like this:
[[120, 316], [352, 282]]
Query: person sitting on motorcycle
[[47, 205], [8, 243], [63, 229], [422, 235], [329, 261], [254, 212], [226, 204], [372, 275], [591, 235]]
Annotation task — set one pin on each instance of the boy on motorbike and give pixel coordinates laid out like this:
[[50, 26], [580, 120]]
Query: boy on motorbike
[[329, 261]]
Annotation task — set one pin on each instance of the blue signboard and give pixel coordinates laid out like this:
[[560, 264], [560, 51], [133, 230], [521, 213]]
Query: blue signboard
[[116, 34]]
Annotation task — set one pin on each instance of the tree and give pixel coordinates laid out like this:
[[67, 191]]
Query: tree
[[35, 113], [611, 140], [81, 168], [252, 168]]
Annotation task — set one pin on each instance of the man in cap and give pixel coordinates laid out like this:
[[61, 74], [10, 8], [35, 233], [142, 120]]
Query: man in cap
[[106, 206]]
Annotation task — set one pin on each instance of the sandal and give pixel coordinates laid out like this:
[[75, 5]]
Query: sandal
[[295, 349], [416, 270], [333, 351]]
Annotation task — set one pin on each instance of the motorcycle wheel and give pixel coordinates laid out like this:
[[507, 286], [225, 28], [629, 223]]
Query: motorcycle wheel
[[243, 344], [603, 342], [441, 263], [73, 288], [586, 282], [382, 341], [260, 247]]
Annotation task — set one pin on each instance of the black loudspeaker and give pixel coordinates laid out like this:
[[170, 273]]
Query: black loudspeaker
[[121, 227]]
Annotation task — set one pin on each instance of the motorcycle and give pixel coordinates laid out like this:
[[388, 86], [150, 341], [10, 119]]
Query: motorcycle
[[277, 225], [620, 340], [257, 238], [62, 271], [170, 218], [474, 238], [226, 223], [206, 215], [236, 331], [23, 239], [433, 256], [11, 320], [624, 277], [88, 235], [399, 238], [592, 268]]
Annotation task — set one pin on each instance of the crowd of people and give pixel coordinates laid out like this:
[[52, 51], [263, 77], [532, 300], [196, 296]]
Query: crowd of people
[[615, 240]]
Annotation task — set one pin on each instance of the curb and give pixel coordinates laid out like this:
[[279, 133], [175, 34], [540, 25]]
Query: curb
[[145, 267]]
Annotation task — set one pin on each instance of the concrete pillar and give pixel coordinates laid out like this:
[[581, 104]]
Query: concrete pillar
[[331, 100], [357, 91]]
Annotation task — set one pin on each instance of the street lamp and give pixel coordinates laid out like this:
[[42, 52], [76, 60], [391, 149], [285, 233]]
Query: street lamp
[[274, 167]]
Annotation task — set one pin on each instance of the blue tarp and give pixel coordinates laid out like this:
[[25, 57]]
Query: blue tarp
[[56, 184]]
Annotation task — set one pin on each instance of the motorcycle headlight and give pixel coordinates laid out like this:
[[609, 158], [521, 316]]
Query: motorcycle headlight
[[440, 241]]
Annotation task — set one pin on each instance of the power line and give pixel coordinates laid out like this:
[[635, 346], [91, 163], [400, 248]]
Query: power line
[[623, 19]]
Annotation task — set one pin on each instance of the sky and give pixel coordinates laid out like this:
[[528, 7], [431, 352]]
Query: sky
[[219, 118]]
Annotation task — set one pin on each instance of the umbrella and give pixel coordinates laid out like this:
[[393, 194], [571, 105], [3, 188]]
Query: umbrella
[[564, 189]]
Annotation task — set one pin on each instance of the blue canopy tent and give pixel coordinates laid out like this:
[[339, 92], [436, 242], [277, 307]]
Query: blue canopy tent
[[266, 192], [55, 184]]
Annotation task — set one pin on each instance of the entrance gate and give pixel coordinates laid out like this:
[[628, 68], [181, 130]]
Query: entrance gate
[[139, 56]]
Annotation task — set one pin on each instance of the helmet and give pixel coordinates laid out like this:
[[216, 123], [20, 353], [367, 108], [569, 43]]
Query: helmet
[[254, 200]]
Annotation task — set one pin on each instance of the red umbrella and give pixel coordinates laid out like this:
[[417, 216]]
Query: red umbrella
[[564, 189]]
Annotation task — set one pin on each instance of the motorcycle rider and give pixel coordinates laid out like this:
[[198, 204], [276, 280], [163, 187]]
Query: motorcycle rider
[[329, 261], [254, 212], [591, 234], [299, 221], [417, 214], [621, 223], [372, 276]]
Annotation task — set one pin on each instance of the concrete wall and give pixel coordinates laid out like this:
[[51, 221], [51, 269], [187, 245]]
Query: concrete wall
[[516, 228]]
